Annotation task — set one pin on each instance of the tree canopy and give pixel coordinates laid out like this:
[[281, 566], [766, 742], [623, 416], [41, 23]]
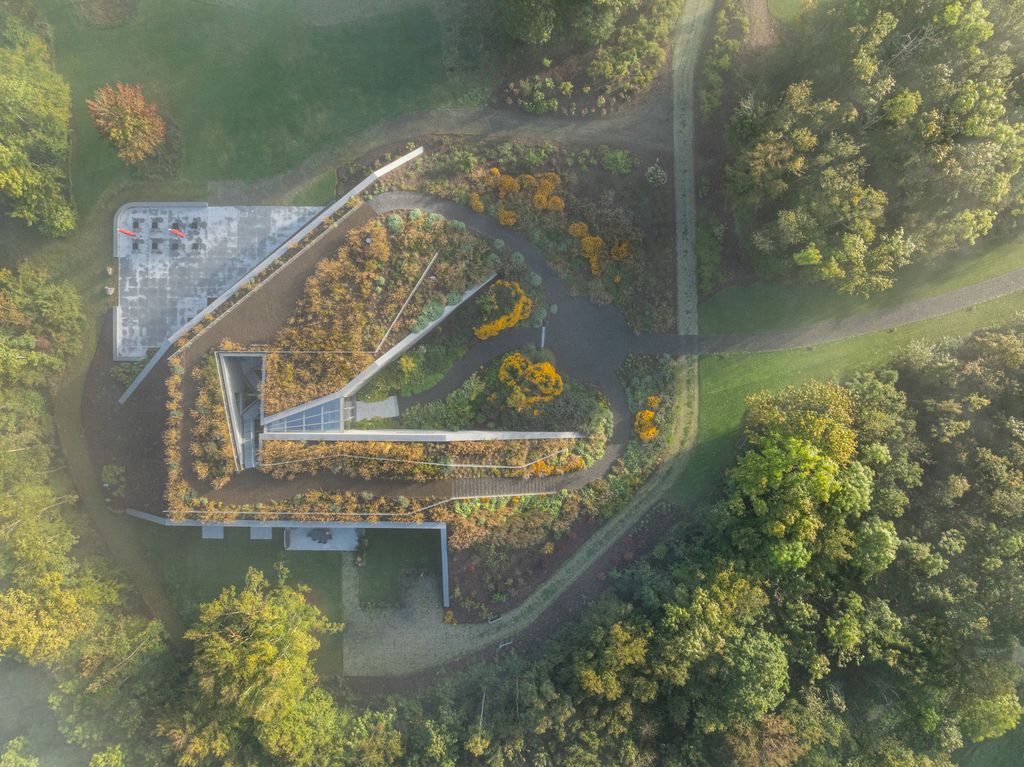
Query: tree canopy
[[891, 132], [35, 115]]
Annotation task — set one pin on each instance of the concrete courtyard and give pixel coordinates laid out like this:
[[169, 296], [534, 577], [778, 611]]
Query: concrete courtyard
[[164, 280]]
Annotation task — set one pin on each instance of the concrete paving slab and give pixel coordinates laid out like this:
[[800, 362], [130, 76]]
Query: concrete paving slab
[[166, 278], [387, 408]]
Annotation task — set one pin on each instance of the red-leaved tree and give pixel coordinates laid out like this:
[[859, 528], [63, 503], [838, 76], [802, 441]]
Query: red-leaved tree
[[125, 119]]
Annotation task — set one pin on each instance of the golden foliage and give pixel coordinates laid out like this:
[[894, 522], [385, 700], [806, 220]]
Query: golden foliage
[[521, 309], [643, 425], [528, 382], [579, 229]]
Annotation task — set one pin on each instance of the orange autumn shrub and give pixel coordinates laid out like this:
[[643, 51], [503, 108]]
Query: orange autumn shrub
[[579, 229], [592, 247], [211, 448], [507, 217], [620, 251], [643, 425], [528, 382], [507, 185], [521, 309]]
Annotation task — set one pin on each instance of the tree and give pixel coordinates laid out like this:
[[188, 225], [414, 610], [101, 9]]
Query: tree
[[127, 121], [531, 21], [252, 676], [35, 116], [13, 756]]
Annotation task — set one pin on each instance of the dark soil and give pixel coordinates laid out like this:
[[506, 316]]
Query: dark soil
[[129, 435]]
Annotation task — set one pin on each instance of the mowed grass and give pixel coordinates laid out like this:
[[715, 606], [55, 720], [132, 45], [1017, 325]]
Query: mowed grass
[[1001, 752], [254, 90], [787, 11], [787, 304], [25, 713], [726, 381], [389, 554], [193, 571]]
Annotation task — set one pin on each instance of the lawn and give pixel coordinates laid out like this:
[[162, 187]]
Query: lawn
[[192, 571], [1001, 752], [726, 380], [389, 554], [788, 304], [24, 712], [787, 11], [255, 90]]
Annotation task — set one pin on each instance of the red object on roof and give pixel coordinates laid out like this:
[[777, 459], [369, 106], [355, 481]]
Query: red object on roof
[[177, 232], [129, 232]]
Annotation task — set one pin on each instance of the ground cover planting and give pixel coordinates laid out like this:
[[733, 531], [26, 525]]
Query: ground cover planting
[[601, 218], [394, 276], [422, 460], [213, 457], [496, 563]]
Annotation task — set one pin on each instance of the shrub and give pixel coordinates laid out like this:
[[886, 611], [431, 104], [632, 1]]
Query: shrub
[[127, 121], [521, 308], [394, 223], [617, 161], [656, 175]]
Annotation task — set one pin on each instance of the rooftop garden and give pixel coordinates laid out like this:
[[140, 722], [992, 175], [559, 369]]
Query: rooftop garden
[[602, 217], [393, 276]]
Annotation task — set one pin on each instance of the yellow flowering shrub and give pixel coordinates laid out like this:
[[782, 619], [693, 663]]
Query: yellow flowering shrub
[[592, 248], [643, 425], [507, 217], [521, 309], [507, 185], [620, 251], [556, 203], [475, 203], [579, 229], [528, 382], [653, 402]]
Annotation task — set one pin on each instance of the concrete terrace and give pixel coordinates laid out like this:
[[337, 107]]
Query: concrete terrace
[[164, 280]]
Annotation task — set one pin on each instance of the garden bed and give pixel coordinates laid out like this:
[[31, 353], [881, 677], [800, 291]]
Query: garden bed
[[493, 570], [394, 276], [603, 218]]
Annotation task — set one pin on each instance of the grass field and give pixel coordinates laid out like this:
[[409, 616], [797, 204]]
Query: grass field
[[193, 571], [24, 712], [786, 304], [787, 11], [1001, 752], [389, 553], [726, 380], [254, 89]]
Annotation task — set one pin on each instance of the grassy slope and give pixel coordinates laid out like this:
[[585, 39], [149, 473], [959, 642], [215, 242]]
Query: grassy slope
[[786, 304], [254, 91], [786, 11], [1001, 752], [725, 381]]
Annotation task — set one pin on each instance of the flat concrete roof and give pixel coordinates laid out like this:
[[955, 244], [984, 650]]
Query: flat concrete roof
[[165, 280]]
